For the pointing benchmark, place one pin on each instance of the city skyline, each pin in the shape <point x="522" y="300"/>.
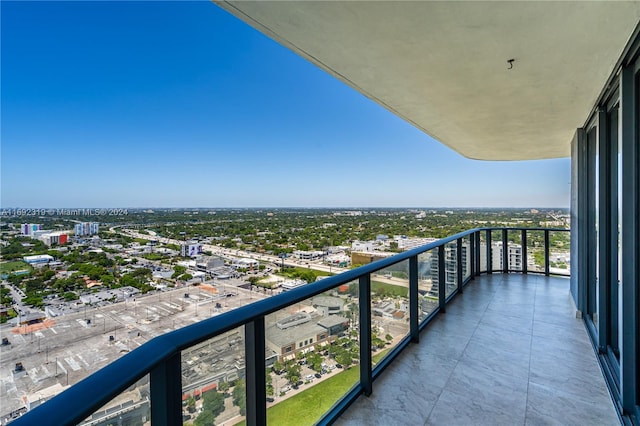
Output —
<point x="182" y="105"/>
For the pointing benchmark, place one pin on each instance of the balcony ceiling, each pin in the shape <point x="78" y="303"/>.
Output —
<point x="442" y="65"/>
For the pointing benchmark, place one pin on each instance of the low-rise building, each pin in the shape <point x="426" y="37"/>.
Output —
<point x="362" y="258"/>
<point x="308" y="255"/>
<point x="291" y="284"/>
<point x="39" y="259"/>
<point x="362" y="246"/>
<point x="209" y="263"/>
<point x="245" y="263"/>
<point x="41" y="396"/>
<point x="327" y="305"/>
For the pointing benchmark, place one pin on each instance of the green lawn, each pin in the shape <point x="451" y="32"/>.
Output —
<point x="8" y="267"/>
<point x="10" y="314"/>
<point x="377" y="357"/>
<point x="307" y="407"/>
<point x="291" y="272"/>
<point x="389" y="289"/>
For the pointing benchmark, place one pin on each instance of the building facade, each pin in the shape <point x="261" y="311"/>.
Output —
<point x="83" y="229"/>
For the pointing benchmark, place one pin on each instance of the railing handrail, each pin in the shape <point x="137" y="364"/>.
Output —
<point x="96" y="390"/>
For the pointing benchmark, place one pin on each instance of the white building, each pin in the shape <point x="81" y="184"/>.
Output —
<point x="450" y="265"/>
<point x="338" y="259"/>
<point x="29" y="228"/>
<point x="245" y="263"/>
<point x="514" y="253"/>
<point x="39" y="259"/>
<point x="86" y="228"/>
<point x="56" y="237"/>
<point x="308" y="255"/>
<point x="405" y="243"/>
<point x="190" y="249"/>
<point x="291" y="284"/>
<point x="362" y="246"/>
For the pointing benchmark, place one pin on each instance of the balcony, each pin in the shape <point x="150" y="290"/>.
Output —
<point x="489" y="347"/>
<point x="509" y="351"/>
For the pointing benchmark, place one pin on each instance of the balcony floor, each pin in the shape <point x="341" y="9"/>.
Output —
<point x="508" y="351"/>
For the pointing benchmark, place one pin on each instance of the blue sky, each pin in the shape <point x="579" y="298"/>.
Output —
<point x="180" y="104"/>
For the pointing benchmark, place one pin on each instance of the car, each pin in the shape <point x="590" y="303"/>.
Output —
<point x="318" y="375"/>
<point x="338" y="365"/>
<point x="269" y="399"/>
<point x="300" y="383"/>
<point x="309" y="377"/>
<point x="295" y="387"/>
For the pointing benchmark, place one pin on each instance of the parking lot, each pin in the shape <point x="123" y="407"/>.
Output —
<point x="66" y="349"/>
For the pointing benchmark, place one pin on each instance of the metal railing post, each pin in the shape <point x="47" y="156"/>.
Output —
<point x="364" y="289"/>
<point x="505" y="252"/>
<point x="442" y="285"/>
<point x="472" y="253"/>
<point x="166" y="392"/>
<point x="459" y="275"/>
<point x="489" y="259"/>
<point x="524" y="251"/>
<point x="414" y="319"/>
<point x="546" y="252"/>
<point x="256" y="388"/>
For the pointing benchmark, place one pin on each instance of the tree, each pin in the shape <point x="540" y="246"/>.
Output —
<point x="292" y="373"/>
<point x="344" y="358"/>
<point x="205" y="418"/>
<point x="309" y="276"/>
<point x="69" y="295"/>
<point x="212" y="406"/>
<point x="278" y="366"/>
<point x="240" y="397"/>
<point x="253" y="280"/>
<point x="178" y="270"/>
<point x="269" y="383"/>
<point x="315" y="361"/>
<point x="35" y="301"/>
<point x="107" y="280"/>
<point x="5" y="296"/>
<point x="191" y="404"/>
<point x="224" y="387"/>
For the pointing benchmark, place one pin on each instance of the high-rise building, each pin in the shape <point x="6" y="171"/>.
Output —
<point x="86" y="228"/>
<point x="450" y="265"/>
<point x="514" y="253"/>
<point x="30" y="228"/>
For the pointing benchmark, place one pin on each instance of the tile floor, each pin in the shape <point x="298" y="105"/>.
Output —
<point x="509" y="351"/>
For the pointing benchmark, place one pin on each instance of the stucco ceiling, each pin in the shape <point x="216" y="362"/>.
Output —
<point x="443" y="65"/>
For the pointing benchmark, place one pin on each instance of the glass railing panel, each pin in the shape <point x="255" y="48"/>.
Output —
<point x="496" y="250"/>
<point x="130" y="408"/>
<point x="313" y="354"/>
<point x="483" y="251"/>
<point x="213" y="380"/>
<point x="514" y="250"/>
<point x="559" y="252"/>
<point x="450" y="268"/>
<point x="535" y="251"/>
<point x="427" y="283"/>
<point x="389" y="309"/>
<point x="467" y="257"/>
